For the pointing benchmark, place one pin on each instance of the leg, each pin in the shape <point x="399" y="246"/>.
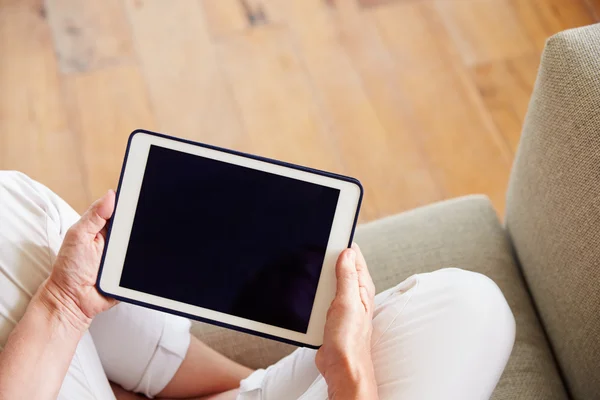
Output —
<point x="454" y="329"/>
<point x="153" y="353"/>
<point x="447" y="334"/>
<point x="123" y="394"/>
<point x="33" y="221"/>
<point x="219" y="373"/>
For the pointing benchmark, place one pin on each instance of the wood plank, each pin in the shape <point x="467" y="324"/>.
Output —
<point x="506" y="87"/>
<point x="411" y="183"/>
<point x="189" y="94"/>
<point x="275" y="98"/>
<point x="543" y="18"/>
<point x="371" y="3"/>
<point x="420" y="40"/>
<point x="255" y="12"/>
<point x="224" y="17"/>
<point x="362" y="141"/>
<point x="594" y="8"/>
<point x="465" y="151"/>
<point x="105" y="106"/>
<point x="484" y="30"/>
<point x="34" y="134"/>
<point x="261" y="12"/>
<point x="89" y="35"/>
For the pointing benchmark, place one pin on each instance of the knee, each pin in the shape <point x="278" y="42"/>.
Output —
<point x="16" y="188"/>
<point x="11" y="178"/>
<point x="476" y="301"/>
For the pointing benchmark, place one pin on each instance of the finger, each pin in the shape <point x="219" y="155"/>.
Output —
<point x="347" y="277"/>
<point x="95" y="218"/>
<point x="364" y="277"/>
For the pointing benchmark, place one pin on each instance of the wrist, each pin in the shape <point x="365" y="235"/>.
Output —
<point x="61" y="308"/>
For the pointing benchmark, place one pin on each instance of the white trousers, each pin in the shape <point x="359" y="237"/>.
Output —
<point x="442" y="335"/>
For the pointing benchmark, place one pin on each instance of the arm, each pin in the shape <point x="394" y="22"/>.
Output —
<point x="344" y="360"/>
<point x="38" y="352"/>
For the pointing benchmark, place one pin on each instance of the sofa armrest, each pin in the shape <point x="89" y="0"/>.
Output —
<point x="553" y="205"/>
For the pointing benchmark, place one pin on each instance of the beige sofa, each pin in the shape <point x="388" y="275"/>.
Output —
<point x="546" y="256"/>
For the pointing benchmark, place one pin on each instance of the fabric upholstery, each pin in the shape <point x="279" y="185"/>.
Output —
<point x="553" y="205"/>
<point x="461" y="233"/>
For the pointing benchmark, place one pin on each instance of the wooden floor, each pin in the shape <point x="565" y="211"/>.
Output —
<point x="422" y="100"/>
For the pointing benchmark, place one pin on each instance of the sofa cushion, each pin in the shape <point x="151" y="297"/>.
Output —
<point x="553" y="207"/>
<point x="461" y="233"/>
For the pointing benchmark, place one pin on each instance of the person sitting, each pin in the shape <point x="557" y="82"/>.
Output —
<point x="441" y="335"/>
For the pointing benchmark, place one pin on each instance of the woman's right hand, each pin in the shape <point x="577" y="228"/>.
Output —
<point x="72" y="283"/>
<point x="344" y="360"/>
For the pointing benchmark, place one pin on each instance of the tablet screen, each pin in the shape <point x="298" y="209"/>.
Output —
<point x="229" y="238"/>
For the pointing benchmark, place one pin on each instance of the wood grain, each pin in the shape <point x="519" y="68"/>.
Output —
<point x="593" y="7"/>
<point x="189" y="94"/>
<point x="276" y="100"/>
<point x="89" y="34"/>
<point x="416" y="36"/>
<point x="224" y="17"/>
<point x="506" y="87"/>
<point x="420" y="99"/>
<point x="484" y="30"/>
<point x="34" y="134"/>
<point x="543" y="18"/>
<point x="361" y="140"/>
<point x="410" y="181"/>
<point x="461" y="144"/>
<point x="118" y="105"/>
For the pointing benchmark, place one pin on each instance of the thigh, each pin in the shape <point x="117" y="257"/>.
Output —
<point x="447" y="334"/>
<point x="33" y="221"/>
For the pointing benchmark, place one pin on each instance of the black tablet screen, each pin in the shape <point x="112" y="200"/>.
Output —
<point x="229" y="238"/>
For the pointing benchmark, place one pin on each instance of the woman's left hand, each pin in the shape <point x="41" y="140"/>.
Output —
<point x="72" y="282"/>
<point x="344" y="360"/>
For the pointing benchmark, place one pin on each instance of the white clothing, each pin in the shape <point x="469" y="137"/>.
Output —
<point x="442" y="335"/>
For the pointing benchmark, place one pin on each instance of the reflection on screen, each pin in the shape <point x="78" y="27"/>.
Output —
<point x="229" y="238"/>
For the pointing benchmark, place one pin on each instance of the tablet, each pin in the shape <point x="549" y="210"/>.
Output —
<point x="228" y="238"/>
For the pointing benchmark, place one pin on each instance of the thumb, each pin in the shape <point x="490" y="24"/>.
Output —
<point x="95" y="218"/>
<point x="347" y="277"/>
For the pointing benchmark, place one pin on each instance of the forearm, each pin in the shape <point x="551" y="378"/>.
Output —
<point x="38" y="352"/>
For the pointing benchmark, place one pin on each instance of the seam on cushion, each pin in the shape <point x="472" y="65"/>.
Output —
<point x="414" y="289"/>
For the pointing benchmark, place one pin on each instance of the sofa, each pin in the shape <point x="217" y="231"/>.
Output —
<point x="545" y="256"/>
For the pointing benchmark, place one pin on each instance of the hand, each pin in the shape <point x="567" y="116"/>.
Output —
<point x="71" y="285"/>
<point x="344" y="360"/>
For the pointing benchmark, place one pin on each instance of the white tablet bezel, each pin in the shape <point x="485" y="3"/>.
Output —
<point x="132" y="175"/>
